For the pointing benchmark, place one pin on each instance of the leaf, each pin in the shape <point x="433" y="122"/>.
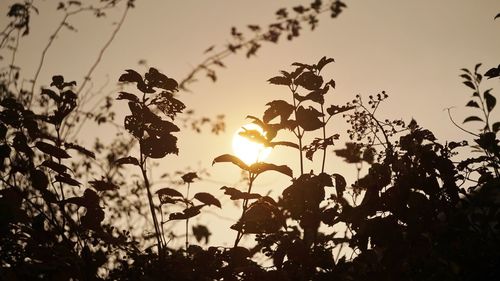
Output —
<point x="309" y="81"/>
<point x="155" y="147"/>
<point x="335" y="109"/>
<point x="472" y="118"/>
<point x="260" y="167"/>
<point x="51" y="94"/>
<point x="466" y="77"/>
<point x="497" y="16"/>
<point x="165" y="195"/>
<point x="65" y="178"/>
<point x="340" y="184"/>
<point x="207" y="198"/>
<point x="235" y="194"/>
<point x="102" y="185"/>
<point x="56" y="167"/>
<point x="39" y="180"/>
<point x="324" y="61"/>
<point x="52" y="150"/>
<point x="284" y="143"/>
<point x="201" y="232"/>
<point x="127" y="160"/>
<point x="491" y="101"/>
<point x="232" y="159"/>
<point x="130" y="76"/>
<point x="280" y="80"/>
<point x="189" y="177"/>
<point x="277" y="108"/>
<point x="472" y="104"/>
<point x="160" y="80"/>
<point x="169" y="192"/>
<point x="469" y="84"/>
<point x="187" y="213"/>
<point x="308" y="119"/>
<point x="496" y="127"/>
<point x="127" y="96"/>
<point x="80" y="149"/>
<point x="493" y="72"/>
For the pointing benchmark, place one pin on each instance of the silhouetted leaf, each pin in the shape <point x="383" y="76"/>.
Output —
<point x="493" y="72"/>
<point x="56" y="167"/>
<point x="309" y="81"/>
<point x="52" y="150"/>
<point x="472" y="104"/>
<point x="328" y="216"/>
<point x="280" y="80"/>
<point x="308" y="119"/>
<point x="277" y="108"/>
<point x="472" y="118"/>
<point x="187" y="213"/>
<point x="159" y="147"/>
<point x="65" y="178"/>
<point x="235" y="194"/>
<point x="323" y="61"/>
<point x="469" y="84"/>
<point x="496" y="127"/>
<point x="369" y="155"/>
<point x="283" y="143"/>
<point x="127" y="160"/>
<point x="165" y="195"/>
<point x="80" y="149"/>
<point x="168" y="192"/>
<point x="167" y="104"/>
<point x="232" y="159"/>
<point x="497" y="16"/>
<point x="261" y="167"/>
<point x="189" y="177"/>
<point x="207" y="198"/>
<point x="491" y="101"/>
<point x="130" y="76"/>
<point x="201" y="232"/>
<point x="340" y="184"/>
<point x="57" y="81"/>
<point x="20" y="143"/>
<point x="39" y="180"/>
<point x="51" y="94"/>
<point x="102" y="185"/>
<point x="261" y="217"/>
<point x="160" y="80"/>
<point x="335" y="109"/>
<point x="127" y="96"/>
<point x="351" y="154"/>
<point x="3" y="131"/>
<point x="254" y="136"/>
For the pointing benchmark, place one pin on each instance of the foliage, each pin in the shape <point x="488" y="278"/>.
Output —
<point x="417" y="214"/>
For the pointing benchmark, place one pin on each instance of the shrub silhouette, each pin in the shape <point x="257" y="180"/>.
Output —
<point x="417" y="214"/>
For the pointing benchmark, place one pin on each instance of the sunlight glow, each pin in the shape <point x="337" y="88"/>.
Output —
<point x="248" y="150"/>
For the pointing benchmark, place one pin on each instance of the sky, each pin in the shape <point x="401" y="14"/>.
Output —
<point x="411" y="49"/>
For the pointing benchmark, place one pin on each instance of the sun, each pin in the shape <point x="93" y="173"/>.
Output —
<point x="247" y="150"/>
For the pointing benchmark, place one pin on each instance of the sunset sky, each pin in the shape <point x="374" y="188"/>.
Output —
<point x="411" y="49"/>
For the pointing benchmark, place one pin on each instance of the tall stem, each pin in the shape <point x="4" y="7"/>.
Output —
<point x="150" y="199"/>
<point x="324" y="139"/>
<point x="298" y="134"/>
<point x="187" y="220"/>
<point x="251" y="178"/>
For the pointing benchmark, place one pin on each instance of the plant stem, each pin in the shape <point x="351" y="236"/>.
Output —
<point x="187" y="220"/>
<point x="251" y="178"/>
<point x="324" y="139"/>
<point x="298" y="134"/>
<point x="150" y="199"/>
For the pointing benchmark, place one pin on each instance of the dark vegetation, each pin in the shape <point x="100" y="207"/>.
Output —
<point x="425" y="210"/>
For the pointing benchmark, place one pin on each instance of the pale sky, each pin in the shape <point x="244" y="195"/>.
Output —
<point x="411" y="49"/>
